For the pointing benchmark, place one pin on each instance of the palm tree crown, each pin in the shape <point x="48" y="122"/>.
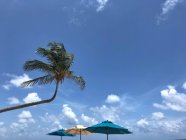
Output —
<point x="57" y="68"/>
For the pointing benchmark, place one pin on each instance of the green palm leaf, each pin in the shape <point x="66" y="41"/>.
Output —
<point x="37" y="65"/>
<point x="40" y="81"/>
<point x="78" y="79"/>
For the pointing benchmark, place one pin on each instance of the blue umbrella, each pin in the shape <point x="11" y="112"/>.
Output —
<point x="61" y="133"/>
<point x="107" y="127"/>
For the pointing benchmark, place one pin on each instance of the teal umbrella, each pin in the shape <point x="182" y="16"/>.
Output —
<point x="61" y="133"/>
<point x="107" y="127"/>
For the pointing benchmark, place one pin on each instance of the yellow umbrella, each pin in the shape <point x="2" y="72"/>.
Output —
<point x="78" y="130"/>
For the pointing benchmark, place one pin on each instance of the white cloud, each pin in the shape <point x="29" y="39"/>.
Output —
<point x="53" y="120"/>
<point x="142" y="123"/>
<point x="184" y="85"/>
<point x="168" y="6"/>
<point x="24" y="126"/>
<point x="71" y="116"/>
<point x="112" y="98"/>
<point x="107" y="113"/>
<point x="13" y="100"/>
<point x="157" y="115"/>
<point x="7" y="86"/>
<point x="88" y="120"/>
<point x="3" y="129"/>
<point x="1" y="123"/>
<point x="13" y="125"/>
<point x="16" y="81"/>
<point x="172" y="100"/>
<point x="114" y="112"/>
<point x="101" y="5"/>
<point x="32" y="97"/>
<point x="161" y="126"/>
<point x="26" y="117"/>
<point x="17" y="128"/>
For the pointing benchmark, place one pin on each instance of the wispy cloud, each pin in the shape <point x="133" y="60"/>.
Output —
<point x="25" y="122"/>
<point x="160" y="125"/>
<point x="76" y="11"/>
<point x="54" y="121"/>
<point x="74" y="14"/>
<point x="157" y="115"/>
<point x="13" y="100"/>
<point x="98" y="4"/>
<point x="101" y="5"/>
<point x="88" y="120"/>
<point x="3" y="129"/>
<point x="6" y="86"/>
<point x="167" y="6"/>
<point x="107" y="113"/>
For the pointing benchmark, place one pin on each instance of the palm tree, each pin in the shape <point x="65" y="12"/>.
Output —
<point x="56" y="69"/>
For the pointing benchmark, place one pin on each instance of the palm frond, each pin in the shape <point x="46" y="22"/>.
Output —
<point x="78" y="79"/>
<point x="57" y="55"/>
<point x="42" y="51"/>
<point x="69" y="58"/>
<point x="54" y="46"/>
<point x="37" y="65"/>
<point x="65" y="62"/>
<point x="40" y="81"/>
<point x="50" y="56"/>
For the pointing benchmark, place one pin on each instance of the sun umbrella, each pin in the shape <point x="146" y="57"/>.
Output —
<point x="107" y="127"/>
<point x="61" y="133"/>
<point x="78" y="130"/>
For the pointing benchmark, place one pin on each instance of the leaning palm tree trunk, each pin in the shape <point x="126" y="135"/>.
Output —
<point x="57" y="68"/>
<point x="31" y="104"/>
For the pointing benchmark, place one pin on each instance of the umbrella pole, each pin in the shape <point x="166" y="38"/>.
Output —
<point x="80" y="134"/>
<point x="61" y="137"/>
<point x="107" y="133"/>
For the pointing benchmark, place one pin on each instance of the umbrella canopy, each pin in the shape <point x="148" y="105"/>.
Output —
<point x="78" y="130"/>
<point x="61" y="133"/>
<point x="107" y="127"/>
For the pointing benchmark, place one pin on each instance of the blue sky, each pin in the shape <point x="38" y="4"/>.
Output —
<point x="131" y="54"/>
